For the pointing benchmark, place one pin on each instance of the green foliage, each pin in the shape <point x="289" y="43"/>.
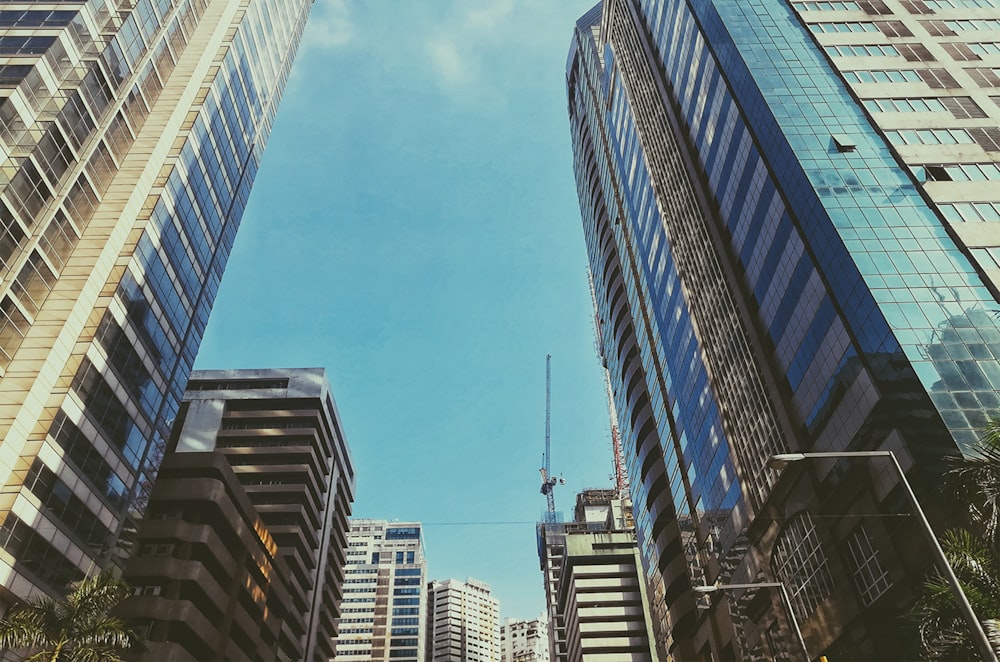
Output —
<point x="975" y="558"/>
<point x="77" y="629"/>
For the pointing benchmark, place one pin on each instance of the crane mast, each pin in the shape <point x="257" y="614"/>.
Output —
<point x="620" y="476"/>
<point x="548" y="482"/>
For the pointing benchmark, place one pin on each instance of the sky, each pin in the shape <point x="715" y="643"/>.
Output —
<point x="414" y="229"/>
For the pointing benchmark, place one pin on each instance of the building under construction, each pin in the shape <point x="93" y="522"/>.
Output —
<point x="595" y="595"/>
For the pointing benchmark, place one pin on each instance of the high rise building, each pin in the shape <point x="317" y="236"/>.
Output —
<point x="789" y="210"/>
<point x="242" y="551"/>
<point x="130" y="134"/>
<point x="594" y="585"/>
<point x="525" y="640"/>
<point x="384" y="609"/>
<point x="463" y="622"/>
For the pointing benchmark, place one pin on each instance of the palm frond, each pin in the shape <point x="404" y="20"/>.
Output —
<point x="109" y="631"/>
<point x="79" y="625"/>
<point x="992" y="629"/>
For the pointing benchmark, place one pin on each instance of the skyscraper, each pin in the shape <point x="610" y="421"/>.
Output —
<point x="130" y="132"/>
<point x="243" y="549"/>
<point x="594" y="586"/>
<point x="384" y="608"/>
<point x="463" y="622"/>
<point x="788" y="209"/>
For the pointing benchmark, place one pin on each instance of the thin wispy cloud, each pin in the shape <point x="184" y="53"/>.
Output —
<point x="469" y="52"/>
<point x="331" y="26"/>
<point x="451" y="67"/>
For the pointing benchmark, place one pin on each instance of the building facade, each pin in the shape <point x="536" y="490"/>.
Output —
<point x="463" y="622"/>
<point x="789" y="210"/>
<point x="525" y="640"/>
<point x="130" y="133"/>
<point x="383" y="613"/>
<point x="207" y="582"/>
<point x="595" y="590"/>
<point x="242" y="551"/>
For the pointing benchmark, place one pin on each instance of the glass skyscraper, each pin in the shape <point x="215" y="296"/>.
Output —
<point x="790" y="215"/>
<point x="130" y="133"/>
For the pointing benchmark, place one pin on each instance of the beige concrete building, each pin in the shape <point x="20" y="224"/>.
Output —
<point x="927" y="73"/>
<point x="595" y="591"/>
<point x="383" y="613"/>
<point x="130" y="135"/>
<point x="463" y="622"/>
<point x="525" y="640"/>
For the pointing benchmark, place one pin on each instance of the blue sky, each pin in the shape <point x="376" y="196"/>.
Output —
<point x="414" y="229"/>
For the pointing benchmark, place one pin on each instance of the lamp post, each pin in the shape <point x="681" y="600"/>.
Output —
<point x="712" y="588"/>
<point x="978" y="635"/>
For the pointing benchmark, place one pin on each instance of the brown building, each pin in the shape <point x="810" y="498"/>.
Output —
<point x="242" y="552"/>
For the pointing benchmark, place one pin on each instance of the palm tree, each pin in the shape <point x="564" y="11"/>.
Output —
<point x="77" y="629"/>
<point x="944" y="634"/>
<point x="974" y="479"/>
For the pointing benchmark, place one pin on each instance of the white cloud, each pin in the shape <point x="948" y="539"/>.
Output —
<point x="330" y="26"/>
<point x="451" y="67"/>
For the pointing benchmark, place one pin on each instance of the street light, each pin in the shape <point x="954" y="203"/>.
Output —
<point x="784" y="599"/>
<point x="978" y="635"/>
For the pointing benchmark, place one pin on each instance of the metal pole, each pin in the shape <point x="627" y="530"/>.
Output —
<point x="795" y="621"/>
<point x="978" y="635"/>
<point x="785" y="600"/>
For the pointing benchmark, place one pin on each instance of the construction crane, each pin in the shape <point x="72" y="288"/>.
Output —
<point x="618" y="457"/>
<point x="620" y="476"/>
<point x="548" y="481"/>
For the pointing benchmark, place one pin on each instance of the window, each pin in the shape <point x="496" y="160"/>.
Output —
<point x="894" y="29"/>
<point x="915" y="52"/>
<point x="963" y="108"/>
<point x="916" y="7"/>
<point x="146" y="590"/>
<point x="236" y="384"/>
<point x="960" y="52"/>
<point x="971" y="212"/>
<point x="984" y="76"/>
<point x="874" y="7"/>
<point x="985" y="48"/>
<point x="963" y="172"/>
<point x="870" y="576"/>
<point x="916" y="105"/>
<point x="938" y="79"/>
<point x="801" y="565"/>
<point x="937" y="28"/>
<point x="850" y="26"/>
<point x="988" y="258"/>
<point x="883" y="76"/>
<point x="403" y="533"/>
<point x="929" y="137"/>
<point x="826" y="6"/>
<point x="987" y="137"/>
<point x="975" y="24"/>
<point x="871" y="50"/>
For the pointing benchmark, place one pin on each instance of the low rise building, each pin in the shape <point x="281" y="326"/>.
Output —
<point x="525" y="640"/>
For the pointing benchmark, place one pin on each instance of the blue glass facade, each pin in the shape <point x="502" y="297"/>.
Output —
<point x="131" y="146"/>
<point x="769" y="278"/>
